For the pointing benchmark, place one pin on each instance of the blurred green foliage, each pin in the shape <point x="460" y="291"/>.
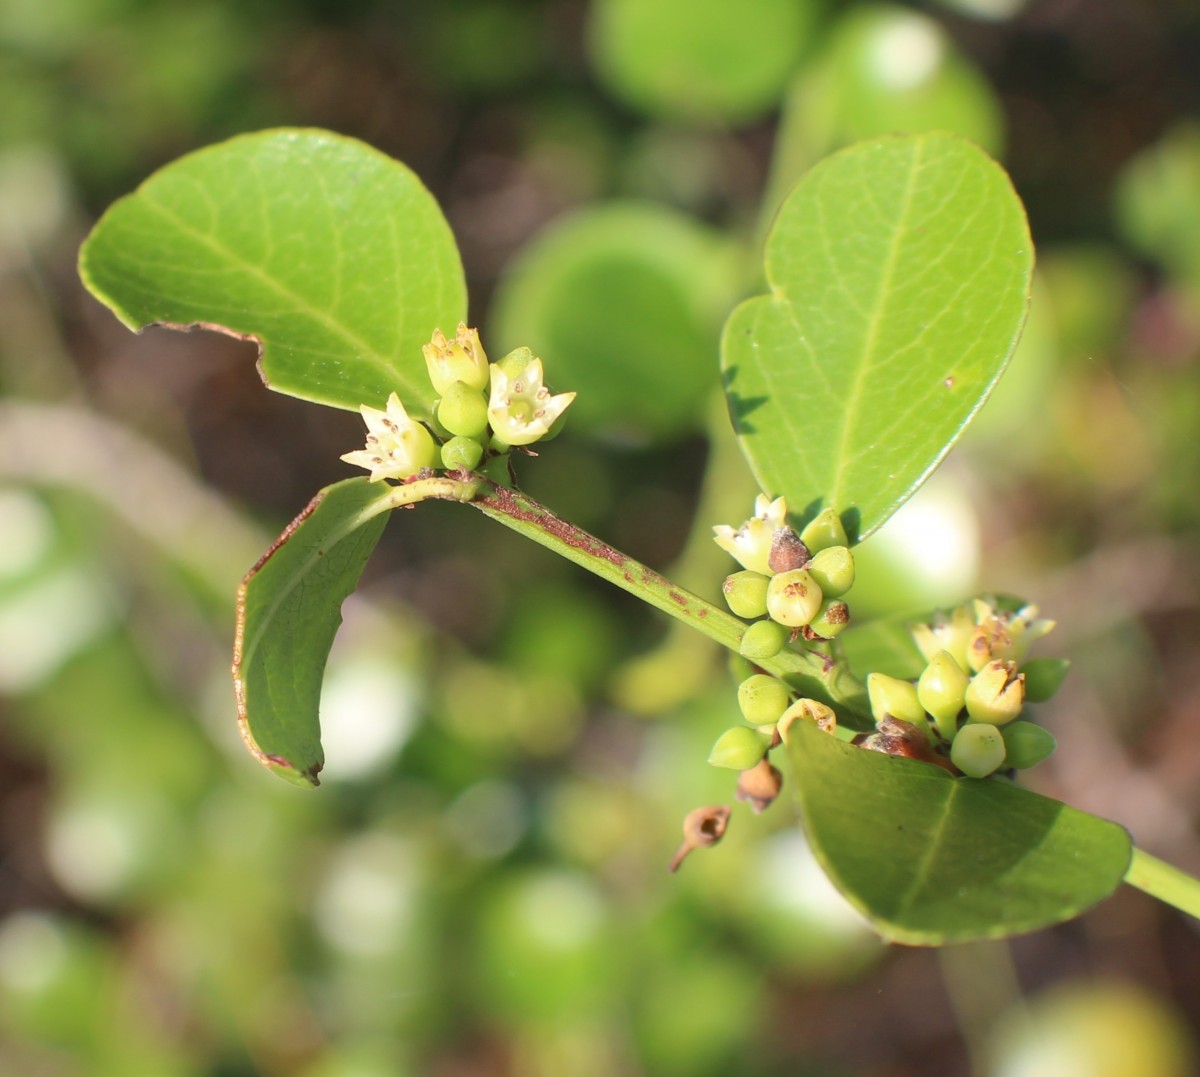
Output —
<point x="479" y="887"/>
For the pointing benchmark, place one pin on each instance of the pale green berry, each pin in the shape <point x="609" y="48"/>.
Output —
<point x="823" y="531"/>
<point x="942" y="690"/>
<point x="463" y="410"/>
<point x="763" y="639"/>
<point x="831" y="619"/>
<point x="746" y="593"/>
<point x="978" y="750"/>
<point x="806" y="710"/>
<point x="793" y="598"/>
<point x="762" y="699"/>
<point x="893" y="698"/>
<point x="1027" y="744"/>
<point x="833" y="569"/>
<point x="1044" y="677"/>
<point x="739" y="748"/>
<point x="461" y="452"/>
<point x="996" y="693"/>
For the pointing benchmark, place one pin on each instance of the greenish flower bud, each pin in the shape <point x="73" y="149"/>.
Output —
<point x="893" y="698"/>
<point x="461" y="359"/>
<point x="763" y="639"/>
<point x="740" y="748"/>
<point x="1026" y="744"/>
<point x="787" y="551"/>
<point x="515" y="361"/>
<point x="807" y="710"/>
<point x="460" y="452"/>
<point x="746" y="593"/>
<point x="947" y="632"/>
<point x="762" y="699"/>
<point x="831" y="618"/>
<point x="1044" y="677"/>
<point x="996" y="693"/>
<point x="463" y="410"/>
<point x="793" y="598"/>
<point x="942" y="691"/>
<point x="833" y="569"/>
<point x="978" y="750"/>
<point x="823" y="531"/>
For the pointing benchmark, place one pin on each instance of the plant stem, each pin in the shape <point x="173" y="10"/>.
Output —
<point x="1159" y="879"/>
<point x="813" y="675"/>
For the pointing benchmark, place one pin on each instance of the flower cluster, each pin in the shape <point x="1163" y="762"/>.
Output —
<point x="482" y="411"/>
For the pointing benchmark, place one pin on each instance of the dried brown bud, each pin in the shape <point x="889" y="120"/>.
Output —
<point x="895" y="737"/>
<point x="701" y="828"/>
<point x="759" y="786"/>
<point x="787" y="551"/>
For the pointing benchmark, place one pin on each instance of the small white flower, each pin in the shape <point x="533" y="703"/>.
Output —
<point x="397" y="446"/>
<point x="750" y="545"/>
<point x="521" y="409"/>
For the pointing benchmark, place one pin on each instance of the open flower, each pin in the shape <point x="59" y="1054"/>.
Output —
<point x="750" y="545"/>
<point x="521" y="409"/>
<point x="461" y="359"/>
<point x="397" y="446"/>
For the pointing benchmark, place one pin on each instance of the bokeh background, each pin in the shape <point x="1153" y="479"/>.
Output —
<point x="479" y="886"/>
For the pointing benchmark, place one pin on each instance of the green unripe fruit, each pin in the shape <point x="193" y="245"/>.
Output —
<point x="793" y="598"/>
<point x="1026" y="744"/>
<point x="460" y="452"/>
<point x="762" y="699"/>
<point x="833" y="569"/>
<point x="1044" y="677"/>
<point x="763" y="639"/>
<point x="823" y="531"/>
<point x="893" y="698"/>
<point x="746" y="593"/>
<point x="978" y="750"/>
<point x="515" y="361"/>
<point x="463" y="410"/>
<point x="739" y="748"/>
<point x="831" y="618"/>
<point x="942" y="691"/>
<point x="996" y="693"/>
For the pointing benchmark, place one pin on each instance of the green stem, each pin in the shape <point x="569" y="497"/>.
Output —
<point x="811" y="674"/>
<point x="1159" y="879"/>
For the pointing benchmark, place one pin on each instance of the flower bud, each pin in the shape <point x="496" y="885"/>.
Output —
<point x="793" y="598"/>
<point x="942" y="691"/>
<point x="823" y="531"/>
<point x="763" y="639"/>
<point x="463" y="410"/>
<point x="1044" y="677"/>
<point x="460" y="452"/>
<point x="461" y="359"/>
<point x="893" y="698"/>
<point x="1026" y="744"/>
<point x="702" y="828"/>
<point x="807" y="710"/>
<point x="831" y="618"/>
<point x="996" y="693"/>
<point x="515" y="362"/>
<point x="833" y="569"/>
<point x="746" y="593"/>
<point x="762" y="699"/>
<point x="787" y="551"/>
<point x="978" y="750"/>
<point x="739" y="748"/>
<point x="759" y="786"/>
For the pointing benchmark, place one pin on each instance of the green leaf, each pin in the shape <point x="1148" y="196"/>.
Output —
<point x="706" y="60"/>
<point x="289" y="607"/>
<point x="931" y="859"/>
<point x="899" y="272"/>
<point x="624" y="303"/>
<point x="332" y="256"/>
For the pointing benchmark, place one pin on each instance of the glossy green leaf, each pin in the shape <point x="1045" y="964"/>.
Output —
<point x="699" y="59"/>
<point x="624" y="303"/>
<point x="332" y="256"/>
<point x="899" y="272"/>
<point x="931" y="859"/>
<point x="289" y="607"/>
